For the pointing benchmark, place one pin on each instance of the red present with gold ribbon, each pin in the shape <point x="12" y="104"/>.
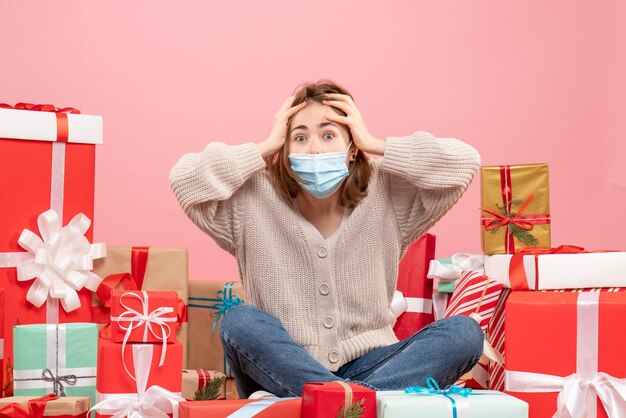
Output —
<point x="335" y="399"/>
<point x="137" y="377"/>
<point x="47" y="160"/>
<point x="45" y="406"/>
<point x="149" y="268"/>
<point x="265" y="408"/>
<point x="515" y="208"/>
<point x="565" y="354"/>
<point x="416" y="289"/>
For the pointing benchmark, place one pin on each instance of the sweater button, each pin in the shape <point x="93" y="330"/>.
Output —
<point x="322" y="251"/>
<point x="329" y="322"/>
<point x="333" y="357"/>
<point x="324" y="289"/>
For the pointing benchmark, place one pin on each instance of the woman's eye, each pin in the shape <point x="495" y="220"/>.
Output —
<point x="329" y="135"/>
<point x="297" y="138"/>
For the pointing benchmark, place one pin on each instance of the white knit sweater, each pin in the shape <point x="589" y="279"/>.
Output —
<point x="332" y="295"/>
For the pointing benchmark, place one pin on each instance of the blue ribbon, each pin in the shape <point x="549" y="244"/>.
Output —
<point x="432" y="388"/>
<point x="223" y="302"/>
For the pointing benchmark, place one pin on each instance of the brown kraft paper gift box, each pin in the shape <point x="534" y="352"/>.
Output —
<point x="206" y="299"/>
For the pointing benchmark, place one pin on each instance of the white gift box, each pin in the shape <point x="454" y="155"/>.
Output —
<point x="563" y="271"/>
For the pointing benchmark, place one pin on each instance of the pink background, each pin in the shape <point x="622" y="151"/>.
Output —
<point x="523" y="82"/>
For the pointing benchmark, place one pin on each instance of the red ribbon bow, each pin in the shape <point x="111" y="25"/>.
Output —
<point x="40" y="108"/>
<point x="61" y="114"/>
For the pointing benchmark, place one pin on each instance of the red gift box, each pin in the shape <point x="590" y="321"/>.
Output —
<point x="137" y="372"/>
<point x="415" y="287"/>
<point x="496" y="332"/>
<point x="47" y="160"/>
<point x="266" y="408"/>
<point x="568" y="343"/>
<point x="144" y="316"/>
<point x="321" y="400"/>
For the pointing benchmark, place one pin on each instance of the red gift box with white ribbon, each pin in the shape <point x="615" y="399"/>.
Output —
<point x="415" y="291"/>
<point x="134" y="378"/>
<point x="144" y="316"/>
<point x="565" y="353"/>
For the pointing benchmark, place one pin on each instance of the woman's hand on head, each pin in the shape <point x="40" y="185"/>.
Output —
<point x="278" y="134"/>
<point x="354" y="121"/>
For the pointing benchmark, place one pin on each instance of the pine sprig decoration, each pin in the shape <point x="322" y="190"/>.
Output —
<point x="212" y="390"/>
<point x="354" y="410"/>
<point x="522" y="235"/>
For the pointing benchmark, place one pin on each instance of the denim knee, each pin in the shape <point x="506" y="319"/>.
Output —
<point x="236" y="321"/>
<point x="468" y="334"/>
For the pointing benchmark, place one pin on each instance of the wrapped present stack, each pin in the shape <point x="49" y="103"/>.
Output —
<point x="58" y="288"/>
<point x="148" y="268"/>
<point x="555" y="321"/>
<point x="47" y="165"/>
<point x="140" y="360"/>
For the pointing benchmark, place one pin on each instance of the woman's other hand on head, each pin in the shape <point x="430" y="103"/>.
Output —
<point x="278" y="134"/>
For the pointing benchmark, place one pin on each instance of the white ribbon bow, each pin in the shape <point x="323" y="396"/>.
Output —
<point x="460" y="263"/>
<point x="147" y="319"/>
<point x="574" y="391"/>
<point x="155" y="402"/>
<point x="60" y="261"/>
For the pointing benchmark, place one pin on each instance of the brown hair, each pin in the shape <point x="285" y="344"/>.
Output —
<point x="354" y="187"/>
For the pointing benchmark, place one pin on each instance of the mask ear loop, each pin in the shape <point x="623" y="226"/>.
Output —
<point x="353" y="156"/>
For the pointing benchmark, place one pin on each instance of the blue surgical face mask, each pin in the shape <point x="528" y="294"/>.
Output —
<point x="325" y="172"/>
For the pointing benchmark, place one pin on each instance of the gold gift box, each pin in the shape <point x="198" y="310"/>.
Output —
<point x="526" y="221"/>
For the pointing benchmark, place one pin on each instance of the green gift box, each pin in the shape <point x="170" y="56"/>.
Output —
<point x="55" y="358"/>
<point x="445" y="287"/>
<point x="478" y="404"/>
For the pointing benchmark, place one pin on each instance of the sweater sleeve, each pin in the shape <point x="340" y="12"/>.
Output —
<point x="206" y="183"/>
<point x="428" y="176"/>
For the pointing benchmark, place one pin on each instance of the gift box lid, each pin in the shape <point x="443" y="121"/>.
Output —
<point x="42" y="126"/>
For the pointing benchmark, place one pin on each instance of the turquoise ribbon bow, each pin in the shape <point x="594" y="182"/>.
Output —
<point x="224" y="301"/>
<point x="432" y="388"/>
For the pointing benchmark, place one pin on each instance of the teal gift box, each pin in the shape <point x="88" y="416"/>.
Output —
<point x="55" y="358"/>
<point x="445" y="287"/>
<point x="479" y="404"/>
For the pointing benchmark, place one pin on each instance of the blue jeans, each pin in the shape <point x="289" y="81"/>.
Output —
<point x="263" y="356"/>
